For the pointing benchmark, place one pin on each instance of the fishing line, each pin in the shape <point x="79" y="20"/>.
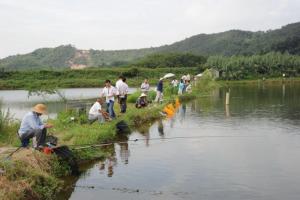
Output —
<point x="85" y="146"/>
<point x="131" y="190"/>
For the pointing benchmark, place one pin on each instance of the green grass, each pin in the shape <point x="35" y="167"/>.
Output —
<point x="8" y="128"/>
<point x="76" y="133"/>
<point x="90" y="77"/>
<point x="25" y="179"/>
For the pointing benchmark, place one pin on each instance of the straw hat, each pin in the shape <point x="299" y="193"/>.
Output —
<point x="161" y="79"/>
<point x="143" y="95"/>
<point x="40" y="108"/>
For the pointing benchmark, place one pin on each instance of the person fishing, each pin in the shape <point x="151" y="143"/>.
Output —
<point x="32" y="126"/>
<point x="109" y="92"/>
<point x="141" y="101"/>
<point x="97" y="113"/>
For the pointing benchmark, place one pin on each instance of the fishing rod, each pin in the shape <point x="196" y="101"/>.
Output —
<point x="86" y="146"/>
<point x="15" y="151"/>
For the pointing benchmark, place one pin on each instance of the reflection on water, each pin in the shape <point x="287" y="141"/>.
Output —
<point x="124" y="152"/>
<point x="247" y="150"/>
<point x="107" y="165"/>
<point x="160" y="128"/>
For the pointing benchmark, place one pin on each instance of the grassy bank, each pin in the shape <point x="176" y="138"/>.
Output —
<point x="31" y="174"/>
<point x="91" y="77"/>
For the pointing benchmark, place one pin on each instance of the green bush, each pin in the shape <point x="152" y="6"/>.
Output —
<point x="8" y="128"/>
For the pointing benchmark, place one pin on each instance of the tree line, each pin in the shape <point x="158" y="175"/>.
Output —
<point x="236" y="67"/>
<point x="272" y="64"/>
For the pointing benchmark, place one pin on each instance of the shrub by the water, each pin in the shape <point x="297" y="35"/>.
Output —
<point x="8" y="127"/>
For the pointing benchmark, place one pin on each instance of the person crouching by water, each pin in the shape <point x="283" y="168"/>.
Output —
<point x="32" y="126"/>
<point x="109" y="92"/>
<point x="141" y="101"/>
<point x="96" y="112"/>
<point x="159" y="91"/>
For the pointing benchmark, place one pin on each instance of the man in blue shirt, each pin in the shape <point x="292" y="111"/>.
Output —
<point x="159" y="91"/>
<point x="32" y="126"/>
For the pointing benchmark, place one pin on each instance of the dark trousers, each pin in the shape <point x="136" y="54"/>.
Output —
<point x="38" y="133"/>
<point x="123" y="104"/>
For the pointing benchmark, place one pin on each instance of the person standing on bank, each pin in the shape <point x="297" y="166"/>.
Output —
<point x="32" y="126"/>
<point x="109" y="92"/>
<point x="118" y="85"/>
<point x="145" y="87"/>
<point x="123" y="91"/>
<point x="181" y="87"/>
<point x="159" y="91"/>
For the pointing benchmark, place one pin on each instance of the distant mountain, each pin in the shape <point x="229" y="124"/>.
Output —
<point x="236" y="42"/>
<point x="233" y="42"/>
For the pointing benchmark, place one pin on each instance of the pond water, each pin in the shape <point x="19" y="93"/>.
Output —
<point x="19" y="102"/>
<point x="247" y="150"/>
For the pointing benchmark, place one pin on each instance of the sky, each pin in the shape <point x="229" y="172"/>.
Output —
<point x="26" y="25"/>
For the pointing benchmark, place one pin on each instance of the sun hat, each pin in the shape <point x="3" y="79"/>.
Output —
<point x="161" y="79"/>
<point x="40" y="108"/>
<point x="143" y="95"/>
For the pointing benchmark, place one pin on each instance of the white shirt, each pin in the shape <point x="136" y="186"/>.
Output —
<point x="109" y="93"/>
<point x="119" y="83"/>
<point x="145" y="87"/>
<point x="174" y="83"/>
<point x="95" y="108"/>
<point x="30" y="122"/>
<point x="188" y="77"/>
<point x="122" y="89"/>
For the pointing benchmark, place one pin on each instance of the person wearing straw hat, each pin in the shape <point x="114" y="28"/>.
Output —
<point x="32" y="126"/>
<point x="141" y="101"/>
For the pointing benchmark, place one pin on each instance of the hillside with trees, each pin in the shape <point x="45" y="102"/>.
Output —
<point x="236" y="42"/>
<point x="229" y="43"/>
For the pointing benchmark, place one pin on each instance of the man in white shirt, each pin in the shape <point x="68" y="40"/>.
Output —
<point x="122" y="92"/>
<point x="109" y="92"/>
<point x="96" y="112"/>
<point x="174" y="83"/>
<point x="145" y="87"/>
<point x="119" y="82"/>
<point x="118" y="85"/>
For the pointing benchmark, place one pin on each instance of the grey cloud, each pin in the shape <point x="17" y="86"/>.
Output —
<point x="118" y="24"/>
